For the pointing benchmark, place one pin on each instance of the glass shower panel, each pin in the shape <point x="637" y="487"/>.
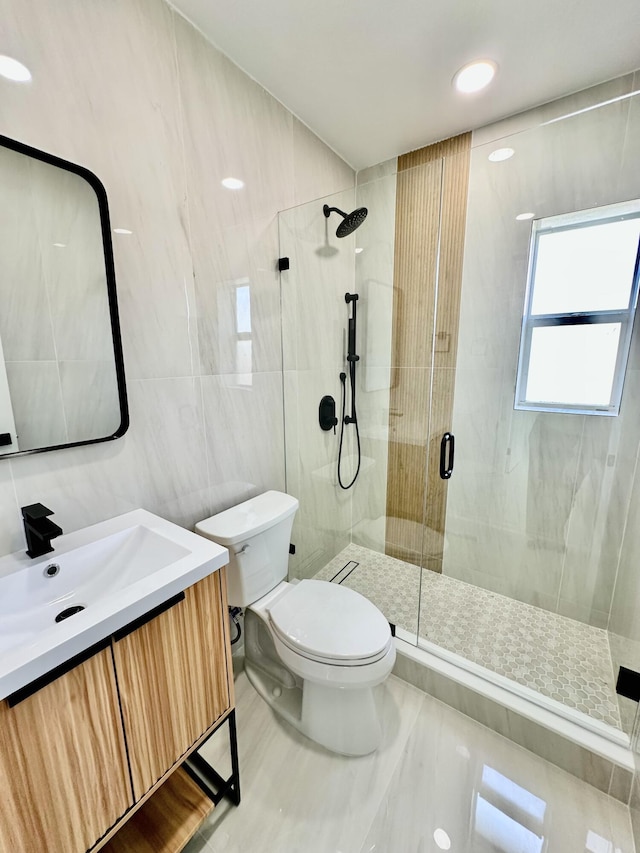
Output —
<point x="341" y="535"/>
<point x="537" y="504"/>
<point x="314" y="312"/>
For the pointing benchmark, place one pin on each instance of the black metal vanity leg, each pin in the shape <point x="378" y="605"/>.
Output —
<point x="208" y="779"/>
<point x="234" y="793"/>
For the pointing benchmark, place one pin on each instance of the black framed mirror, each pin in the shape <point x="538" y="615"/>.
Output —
<point x="62" y="380"/>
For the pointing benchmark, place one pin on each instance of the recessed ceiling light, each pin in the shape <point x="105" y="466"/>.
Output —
<point x="122" y="231"/>
<point x="60" y="245"/>
<point x="359" y="250"/>
<point x="501" y="154"/>
<point x="475" y="76"/>
<point x="14" y="70"/>
<point x="233" y="183"/>
<point x="521" y="216"/>
<point x="442" y="839"/>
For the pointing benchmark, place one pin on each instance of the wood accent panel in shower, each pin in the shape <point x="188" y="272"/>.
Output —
<point x="431" y="201"/>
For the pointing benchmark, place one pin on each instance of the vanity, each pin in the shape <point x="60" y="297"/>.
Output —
<point x="102" y="710"/>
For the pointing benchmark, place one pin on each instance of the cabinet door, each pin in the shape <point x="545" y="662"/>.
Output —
<point x="63" y="768"/>
<point x="173" y="675"/>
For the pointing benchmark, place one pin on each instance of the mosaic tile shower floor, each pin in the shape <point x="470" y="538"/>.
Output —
<point x="558" y="657"/>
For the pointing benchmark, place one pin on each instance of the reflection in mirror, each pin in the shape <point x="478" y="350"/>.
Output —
<point x="61" y="369"/>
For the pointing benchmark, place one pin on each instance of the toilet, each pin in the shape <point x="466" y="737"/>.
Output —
<point x="315" y="651"/>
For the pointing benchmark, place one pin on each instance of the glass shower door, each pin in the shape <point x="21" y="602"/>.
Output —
<point x="534" y="532"/>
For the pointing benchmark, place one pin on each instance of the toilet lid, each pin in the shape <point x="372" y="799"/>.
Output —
<point x="330" y="621"/>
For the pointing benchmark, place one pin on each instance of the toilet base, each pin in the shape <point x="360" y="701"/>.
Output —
<point x="342" y="719"/>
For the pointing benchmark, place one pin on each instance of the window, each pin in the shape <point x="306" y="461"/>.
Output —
<point x="581" y="297"/>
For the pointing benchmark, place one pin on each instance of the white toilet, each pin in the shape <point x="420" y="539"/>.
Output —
<point x="314" y="650"/>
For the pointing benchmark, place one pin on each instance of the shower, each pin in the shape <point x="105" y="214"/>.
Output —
<point x="350" y="221"/>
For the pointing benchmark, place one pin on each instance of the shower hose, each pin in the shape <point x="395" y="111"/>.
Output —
<point x="353" y="419"/>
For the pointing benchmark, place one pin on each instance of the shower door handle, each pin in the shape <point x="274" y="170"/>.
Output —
<point x="446" y="458"/>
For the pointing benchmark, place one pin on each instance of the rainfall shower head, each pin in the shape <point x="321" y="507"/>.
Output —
<point x="350" y="221"/>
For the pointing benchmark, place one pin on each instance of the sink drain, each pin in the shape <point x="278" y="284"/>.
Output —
<point x="70" y="611"/>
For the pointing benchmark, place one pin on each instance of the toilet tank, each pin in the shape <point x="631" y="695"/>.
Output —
<point x="257" y="534"/>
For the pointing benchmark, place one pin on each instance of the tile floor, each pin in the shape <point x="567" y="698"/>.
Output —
<point x="439" y="781"/>
<point x="559" y="657"/>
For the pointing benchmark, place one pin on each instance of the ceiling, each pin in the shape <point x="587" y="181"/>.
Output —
<point x="372" y="78"/>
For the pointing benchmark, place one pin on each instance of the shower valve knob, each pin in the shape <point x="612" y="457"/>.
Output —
<point x="327" y="414"/>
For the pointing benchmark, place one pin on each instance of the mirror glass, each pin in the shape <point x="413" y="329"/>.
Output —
<point x="61" y="367"/>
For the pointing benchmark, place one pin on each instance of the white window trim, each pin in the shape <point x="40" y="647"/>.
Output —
<point x="553" y="224"/>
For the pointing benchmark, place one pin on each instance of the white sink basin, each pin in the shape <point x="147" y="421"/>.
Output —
<point x="116" y="571"/>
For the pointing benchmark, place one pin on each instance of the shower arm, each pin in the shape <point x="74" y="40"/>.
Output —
<point x="352" y="357"/>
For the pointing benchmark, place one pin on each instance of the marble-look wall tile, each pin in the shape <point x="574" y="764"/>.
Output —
<point x="238" y="299"/>
<point x="232" y="128"/>
<point x="82" y="485"/>
<point x="380" y="170"/>
<point x="157" y="468"/>
<point x="244" y="434"/>
<point x="173" y="458"/>
<point x="131" y="91"/>
<point x="317" y="170"/>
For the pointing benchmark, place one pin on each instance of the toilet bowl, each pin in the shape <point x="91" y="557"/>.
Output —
<point x="315" y="651"/>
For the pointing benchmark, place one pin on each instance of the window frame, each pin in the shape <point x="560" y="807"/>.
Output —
<point x="566" y="222"/>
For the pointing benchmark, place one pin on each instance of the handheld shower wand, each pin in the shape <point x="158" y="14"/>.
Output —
<point x="352" y="360"/>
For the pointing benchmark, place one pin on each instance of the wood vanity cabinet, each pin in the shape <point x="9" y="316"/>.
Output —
<point x="63" y="766"/>
<point x="81" y="755"/>
<point x="170" y="686"/>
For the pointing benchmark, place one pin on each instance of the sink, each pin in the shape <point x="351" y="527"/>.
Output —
<point x="96" y="581"/>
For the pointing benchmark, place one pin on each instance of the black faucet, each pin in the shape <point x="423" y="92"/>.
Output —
<point x="39" y="529"/>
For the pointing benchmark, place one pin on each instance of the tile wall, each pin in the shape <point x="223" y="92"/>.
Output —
<point x="133" y="92"/>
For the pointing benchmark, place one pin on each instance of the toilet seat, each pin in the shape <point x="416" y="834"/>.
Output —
<point x="330" y="624"/>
